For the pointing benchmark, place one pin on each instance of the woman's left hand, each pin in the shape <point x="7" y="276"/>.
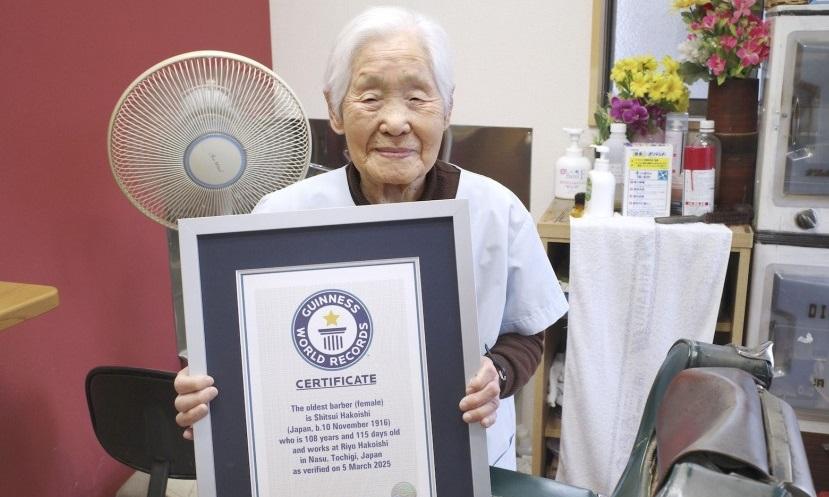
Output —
<point x="482" y="396"/>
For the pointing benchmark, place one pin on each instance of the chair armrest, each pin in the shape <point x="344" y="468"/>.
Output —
<point x="506" y="483"/>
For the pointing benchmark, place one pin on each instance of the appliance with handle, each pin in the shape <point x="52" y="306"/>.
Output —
<point x="792" y="193"/>
<point x="790" y="306"/>
<point x="789" y="297"/>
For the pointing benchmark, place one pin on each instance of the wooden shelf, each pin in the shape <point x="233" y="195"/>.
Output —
<point x="554" y="231"/>
<point x="21" y="301"/>
<point x="552" y="429"/>
<point x="554" y="227"/>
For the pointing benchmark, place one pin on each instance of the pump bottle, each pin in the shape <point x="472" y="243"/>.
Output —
<point x="616" y="144"/>
<point x="601" y="186"/>
<point x="571" y="168"/>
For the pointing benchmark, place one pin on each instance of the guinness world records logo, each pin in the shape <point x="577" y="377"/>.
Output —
<point x="332" y="329"/>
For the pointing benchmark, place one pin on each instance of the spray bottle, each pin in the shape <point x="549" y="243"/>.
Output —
<point x="571" y="168"/>
<point x="601" y="186"/>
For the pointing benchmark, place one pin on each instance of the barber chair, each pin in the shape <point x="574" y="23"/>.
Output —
<point x="133" y="416"/>
<point x="709" y="428"/>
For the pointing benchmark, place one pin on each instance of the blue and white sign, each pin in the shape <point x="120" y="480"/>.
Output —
<point x="332" y="329"/>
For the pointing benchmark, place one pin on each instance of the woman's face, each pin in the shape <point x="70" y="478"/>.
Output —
<point x="393" y="116"/>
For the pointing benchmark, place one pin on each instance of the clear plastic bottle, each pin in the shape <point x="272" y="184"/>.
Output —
<point x="616" y="144"/>
<point x="701" y="165"/>
<point x="676" y="133"/>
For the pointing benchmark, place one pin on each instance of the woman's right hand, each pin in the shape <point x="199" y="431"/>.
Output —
<point x="194" y="392"/>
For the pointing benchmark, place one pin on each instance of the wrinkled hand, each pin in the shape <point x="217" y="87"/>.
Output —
<point x="194" y="392"/>
<point x="482" y="396"/>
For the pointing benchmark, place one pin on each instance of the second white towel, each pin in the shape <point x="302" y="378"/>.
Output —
<point x="635" y="288"/>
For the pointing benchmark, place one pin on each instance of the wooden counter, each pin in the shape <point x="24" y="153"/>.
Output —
<point x="554" y="230"/>
<point x="21" y="301"/>
<point x="554" y="227"/>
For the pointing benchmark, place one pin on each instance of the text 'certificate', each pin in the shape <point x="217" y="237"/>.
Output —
<point x="335" y="380"/>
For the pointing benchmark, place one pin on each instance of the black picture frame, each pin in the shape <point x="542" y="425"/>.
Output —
<point x="435" y="232"/>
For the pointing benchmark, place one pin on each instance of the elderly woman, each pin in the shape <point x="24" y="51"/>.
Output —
<point x="389" y="88"/>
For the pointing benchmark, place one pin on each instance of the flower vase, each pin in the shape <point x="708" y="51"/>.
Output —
<point x="733" y="108"/>
<point x="656" y="135"/>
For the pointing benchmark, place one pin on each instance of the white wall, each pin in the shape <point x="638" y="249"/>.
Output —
<point x="518" y="63"/>
<point x="522" y="63"/>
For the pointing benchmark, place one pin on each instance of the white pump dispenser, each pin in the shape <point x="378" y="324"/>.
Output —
<point x="601" y="186"/>
<point x="571" y="168"/>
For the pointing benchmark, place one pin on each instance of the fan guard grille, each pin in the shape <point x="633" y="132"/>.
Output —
<point x="206" y="133"/>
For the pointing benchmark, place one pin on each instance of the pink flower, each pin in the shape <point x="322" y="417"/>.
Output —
<point x="741" y="8"/>
<point x="716" y="64"/>
<point x="695" y="26"/>
<point x="748" y="56"/>
<point x="760" y="30"/>
<point x="728" y="42"/>
<point x="709" y="21"/>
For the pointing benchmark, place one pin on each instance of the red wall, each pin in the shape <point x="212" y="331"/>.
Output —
<point x="64" y="222"/>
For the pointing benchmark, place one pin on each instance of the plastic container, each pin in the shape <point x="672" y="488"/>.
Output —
<point x="601" y="186"/>
<point x="701" y="163"/>
<point x="572" y="168"/>
<point x="616" y="144"/>
<point x="676" y="134"/>
<point x="578" y="205"/>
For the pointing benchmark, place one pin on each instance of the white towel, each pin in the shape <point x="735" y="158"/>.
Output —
<point x="635" y="288"/>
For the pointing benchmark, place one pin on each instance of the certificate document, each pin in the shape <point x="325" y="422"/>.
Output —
<point x="317" y="327"/>
<point x="335" y="380"/>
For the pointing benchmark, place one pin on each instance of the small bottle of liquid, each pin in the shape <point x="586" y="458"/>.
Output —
<point x="676" y="130"/>
<point x="578" y="206"/>
<point x="700" y="164"/>
<point x="601" y="186"/>
<point x="571" y="168"/>
<point x="616" y="158"/>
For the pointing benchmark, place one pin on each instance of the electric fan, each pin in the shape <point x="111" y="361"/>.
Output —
<point x="203" y="134"/>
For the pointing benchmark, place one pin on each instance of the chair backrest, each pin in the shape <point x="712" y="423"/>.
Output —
<point x="133" y="415"/>
<point x="643" y="474"/>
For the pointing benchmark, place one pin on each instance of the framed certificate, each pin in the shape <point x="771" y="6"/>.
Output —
<point x="341" y="341"/>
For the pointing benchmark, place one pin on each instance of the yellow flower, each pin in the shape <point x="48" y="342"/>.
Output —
<point x="618" y="74"/>
<point x="629" y="64"/>
<point x="684" y="4"/>
<point x="647" y="63"/>
<point x="675" y="90"/>
<point x="640" y="85"/>
<point x="682" y="103"/>
<point x="670" y="64"/>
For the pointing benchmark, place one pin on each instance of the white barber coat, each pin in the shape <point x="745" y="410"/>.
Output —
<point x="516" y="290"/>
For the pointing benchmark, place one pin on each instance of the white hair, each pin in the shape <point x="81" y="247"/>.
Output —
<point x="378" y="22"/>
